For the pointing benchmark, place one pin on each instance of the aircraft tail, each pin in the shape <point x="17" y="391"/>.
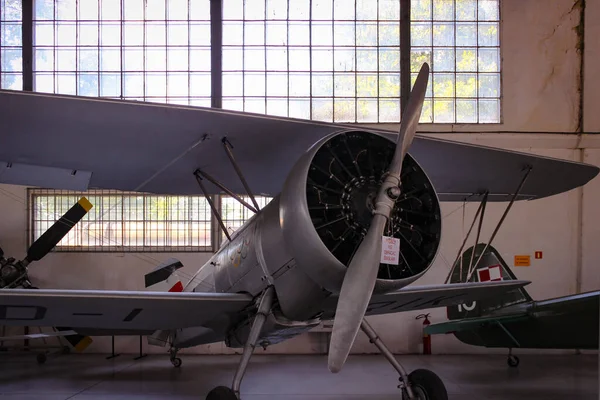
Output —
<point x="491" y="267"/>
<point x="164" y="277"/>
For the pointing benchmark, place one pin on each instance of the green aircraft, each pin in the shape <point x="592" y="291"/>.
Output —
<point x="515" y="320"/>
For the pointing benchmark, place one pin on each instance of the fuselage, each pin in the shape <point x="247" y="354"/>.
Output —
<point x="255" y="258"/>
<point x="302" y="241"/>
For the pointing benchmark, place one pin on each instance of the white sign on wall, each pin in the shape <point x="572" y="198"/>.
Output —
<point x="390" y="250"/>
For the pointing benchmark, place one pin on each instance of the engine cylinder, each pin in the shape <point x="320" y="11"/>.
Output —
<point x="327" y="203"/>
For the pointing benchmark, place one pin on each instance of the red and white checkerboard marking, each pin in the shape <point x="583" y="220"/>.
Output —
<point x="491" y="273"/>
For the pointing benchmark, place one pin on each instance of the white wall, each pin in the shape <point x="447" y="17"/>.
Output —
<point x="541" y="72"/>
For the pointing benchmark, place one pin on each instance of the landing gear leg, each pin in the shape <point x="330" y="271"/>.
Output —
<point x="421" y="384"/>
<point x="224" y="393"/>
<point x="512" y="361"/>
<point x="176" y="361"/>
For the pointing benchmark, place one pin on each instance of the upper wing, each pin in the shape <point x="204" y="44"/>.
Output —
<point x="431" y="296"/>
<point x="128" y="145"/>
<point x="116" y="310"/>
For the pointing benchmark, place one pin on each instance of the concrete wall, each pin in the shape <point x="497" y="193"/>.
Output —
<point x="541" y="89"/>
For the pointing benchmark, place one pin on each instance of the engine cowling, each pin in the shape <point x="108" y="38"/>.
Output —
<point x="326" y="209"/>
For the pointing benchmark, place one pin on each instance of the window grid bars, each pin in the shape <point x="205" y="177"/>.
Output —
<point x="478" y="98"/>
<point x="8" y="72"/>
<point x="199" y="94"/>
<point x="197" y="99"/>
<point x="332" y="74"/>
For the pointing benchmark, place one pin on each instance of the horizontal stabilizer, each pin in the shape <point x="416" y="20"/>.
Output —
<point x="44" y="176"/>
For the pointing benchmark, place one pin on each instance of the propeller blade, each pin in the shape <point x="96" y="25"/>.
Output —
<point x="58" y="230"/>
<point x="361" y="275"/>
<point x="79" y="342"/>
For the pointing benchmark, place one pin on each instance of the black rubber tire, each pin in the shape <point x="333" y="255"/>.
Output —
<point x="176" y="362"/>
<point x="513" y="361"/>
<point x="221" y="393"/>
<point x="41" y="358"/>
<point x="426" y="385"/>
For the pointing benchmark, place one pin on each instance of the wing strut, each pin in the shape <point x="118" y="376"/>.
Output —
<point x="226" y="190"/>
<point x="216" y="212"/>
<point x="512" y="201"/>
<point x="228" y="146"/>
<point x="480" y="209"/>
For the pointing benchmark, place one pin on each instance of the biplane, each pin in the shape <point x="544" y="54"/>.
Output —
<point x="514" y="320"/>
<point x="313" y="253"/>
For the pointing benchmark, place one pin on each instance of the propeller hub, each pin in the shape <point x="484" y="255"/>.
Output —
<point x="393" y="192"/>
<point x="360" y="202"/>
<point x="342" y="198"/>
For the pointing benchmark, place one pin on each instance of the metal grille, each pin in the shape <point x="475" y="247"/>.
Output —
<point x="11" y="61"/>
<point x="461" y="41"/>
<point x="121" y="221"/>
<point x="329" y="60"/>
<point x="235" y="214"/>
<point x="149" y="50"/>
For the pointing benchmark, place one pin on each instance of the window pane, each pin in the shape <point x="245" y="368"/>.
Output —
<point x="135" y="49"/>
<point x="461" y="41"/>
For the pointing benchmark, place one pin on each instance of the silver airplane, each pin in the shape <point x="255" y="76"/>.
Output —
<point x="354" y="220"/>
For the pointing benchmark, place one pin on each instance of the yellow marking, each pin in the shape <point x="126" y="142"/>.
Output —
<point x="522" y="261"/>
<point x="83" y="344"/>
<point x="85" y="203"/>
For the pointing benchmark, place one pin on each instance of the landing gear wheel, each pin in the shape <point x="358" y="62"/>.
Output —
<point x="176" y="362"/>
<point x="513" y="361"/>
<point x="426" y="386"/>
<point x="221" y="393"/>
<point x="41" y="358"/>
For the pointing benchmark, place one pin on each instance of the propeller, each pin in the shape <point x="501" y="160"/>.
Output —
<point x="361" y="275"/>
<point x="13" y="273"/>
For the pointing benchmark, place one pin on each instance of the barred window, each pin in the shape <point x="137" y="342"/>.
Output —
<point x="460" y="39"/>
<point x="148" y="50"/>
<point x="11" y="61"/>
<point x="339" y="60"/>
<point x="126" y="221"/>
<point x="329" y="60"/>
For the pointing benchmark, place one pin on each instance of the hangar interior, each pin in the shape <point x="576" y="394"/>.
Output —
<point x="517" y="75"/>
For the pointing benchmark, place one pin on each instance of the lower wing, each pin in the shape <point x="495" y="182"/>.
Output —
<point x="468" y="324"/>
<point x="431" y="296"/>
<point x="116" y="310"/>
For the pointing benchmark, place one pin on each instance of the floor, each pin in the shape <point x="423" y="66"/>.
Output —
<point x="92" y="377"/>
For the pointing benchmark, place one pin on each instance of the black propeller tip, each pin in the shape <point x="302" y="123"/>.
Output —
<point x="45" y="243"/>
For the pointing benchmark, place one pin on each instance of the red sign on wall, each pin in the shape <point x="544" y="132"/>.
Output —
<point x="538" y="255"/>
